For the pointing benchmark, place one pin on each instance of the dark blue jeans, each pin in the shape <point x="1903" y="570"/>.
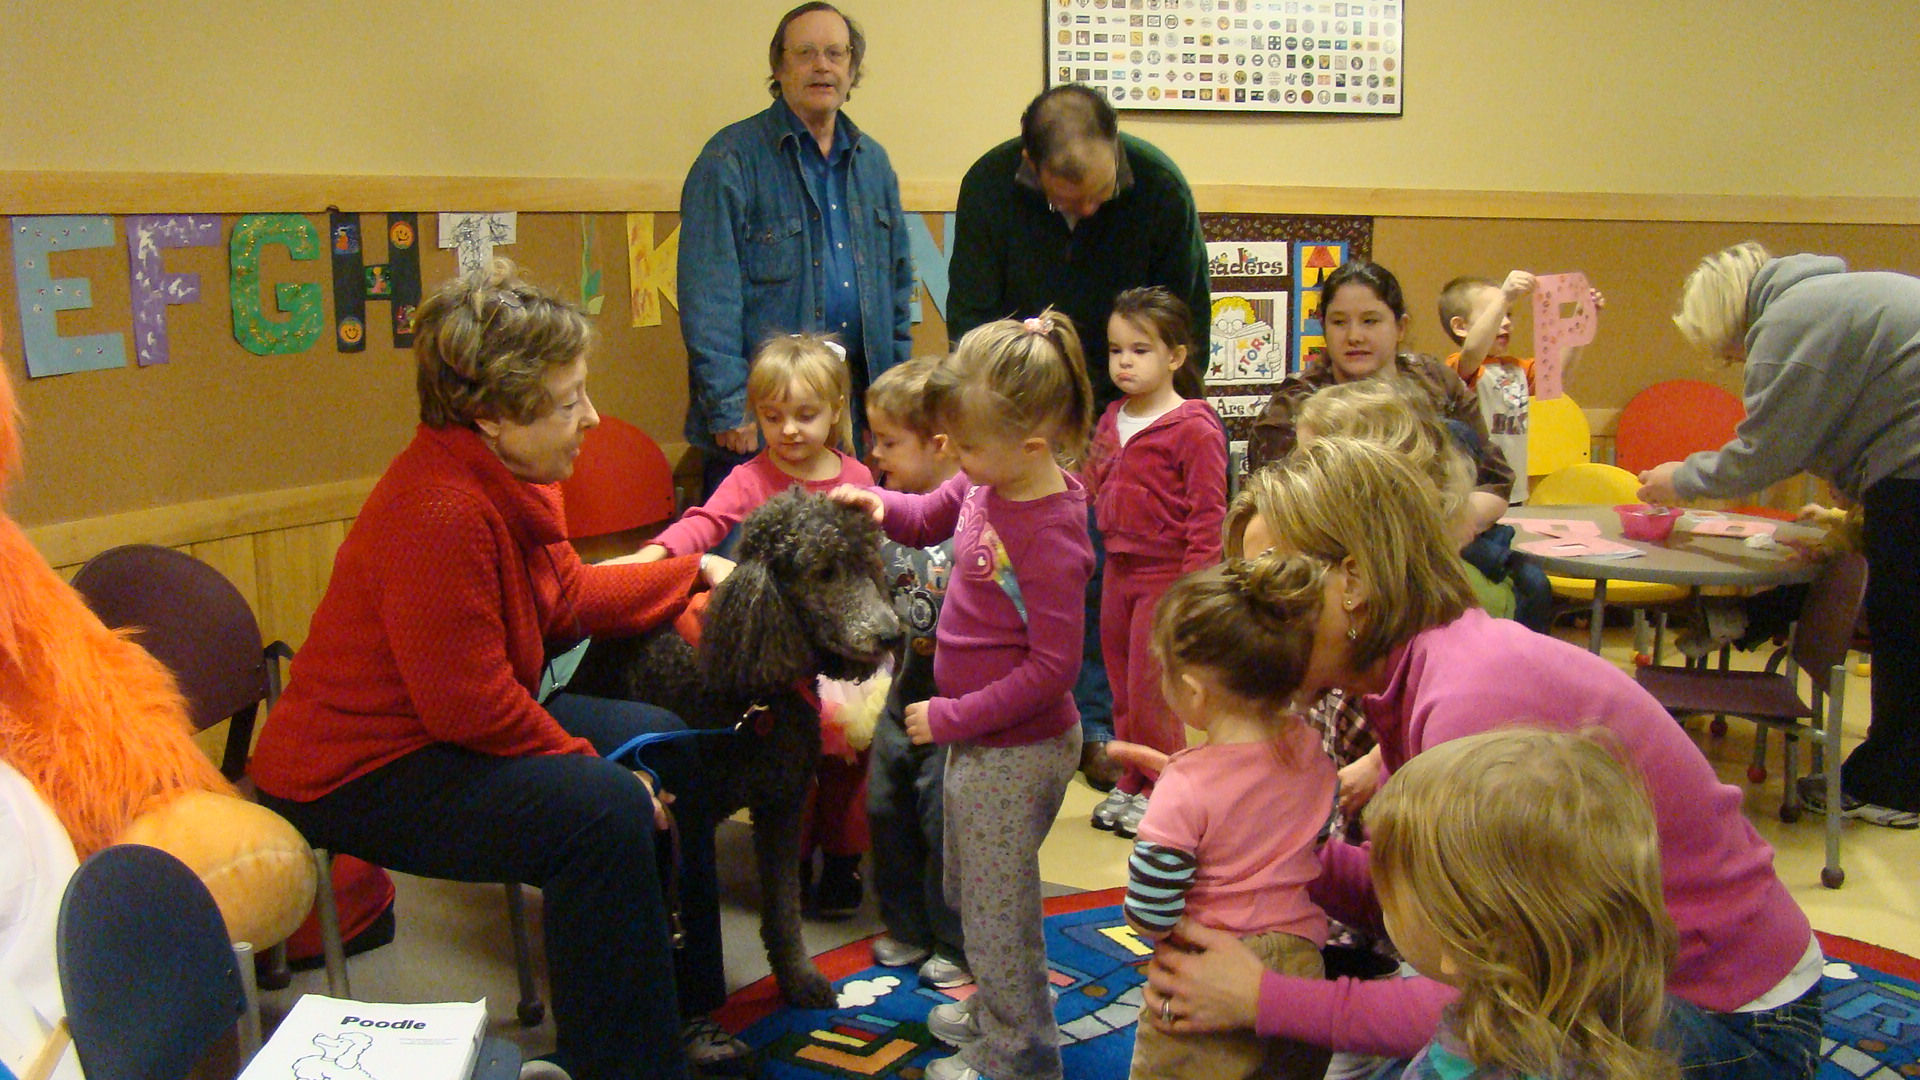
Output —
<point x="581" y="829"/>
<point x="904" y="786"/>
<point x="1779" y="1044"/>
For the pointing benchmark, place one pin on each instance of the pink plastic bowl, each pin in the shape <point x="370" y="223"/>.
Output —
<point x="1651" y="523"/>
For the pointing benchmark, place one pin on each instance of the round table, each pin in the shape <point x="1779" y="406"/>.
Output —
<point x="1684" y="558"/>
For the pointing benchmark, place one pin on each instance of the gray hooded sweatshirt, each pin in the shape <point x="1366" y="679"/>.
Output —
<point x="1832" y="383"/>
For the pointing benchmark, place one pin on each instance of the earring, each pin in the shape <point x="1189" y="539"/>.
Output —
<point x="1349" y="604"/>
<point x="1352" y="634"/>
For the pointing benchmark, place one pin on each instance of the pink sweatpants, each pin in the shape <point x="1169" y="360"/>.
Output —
<point x="1132" y="587"/>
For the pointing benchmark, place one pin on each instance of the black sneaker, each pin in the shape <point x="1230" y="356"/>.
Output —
<point x="839" y="890"/>
<point x="1813" y="795"/>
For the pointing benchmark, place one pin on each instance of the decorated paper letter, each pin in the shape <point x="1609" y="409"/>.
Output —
<point x="1563" y="319"/>
<point x="42" y="295"/>
<point x="474" y="236"/>
<point x="151" y="287"/>
<point x="355" y="282"/>
<point x="651" y="271"/>
<point x="301" y="303"/>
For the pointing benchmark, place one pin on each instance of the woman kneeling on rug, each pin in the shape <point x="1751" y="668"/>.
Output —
<point x="410" y="733"/>
<point x="1398" y="630"/>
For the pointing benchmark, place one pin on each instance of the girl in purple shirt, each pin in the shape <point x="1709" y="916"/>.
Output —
<point x="1015" y="404"/>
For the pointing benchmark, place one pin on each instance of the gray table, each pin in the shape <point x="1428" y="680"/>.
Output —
<point x="1682" y="559"/>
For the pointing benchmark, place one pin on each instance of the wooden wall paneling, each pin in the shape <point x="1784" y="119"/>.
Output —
<point x="292" y="567"/>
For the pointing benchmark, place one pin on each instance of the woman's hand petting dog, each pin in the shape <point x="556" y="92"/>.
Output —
<point x="860" y="499"/>
<point x="918" y="727"/>
<point x="714" y="570"/>
<point x="662" y="817"/>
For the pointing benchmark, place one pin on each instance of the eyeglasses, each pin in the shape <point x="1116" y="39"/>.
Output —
<point x="837" y="55"/>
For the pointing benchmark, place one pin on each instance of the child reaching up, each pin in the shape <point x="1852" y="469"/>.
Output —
<point x="1231" y="839"/>
<point x="1157" y="474"/>
<point x="1014" y="402"/>
<point x="1555" y="933"/>
<point x="905" y="780"/>
<point x="797" y="390"/>
<point x="1473" y="312"/>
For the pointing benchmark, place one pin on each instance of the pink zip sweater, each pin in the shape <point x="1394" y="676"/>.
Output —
<point x="1740" y="930"/>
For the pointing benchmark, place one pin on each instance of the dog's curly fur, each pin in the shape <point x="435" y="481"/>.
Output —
<point x="807" y="598"/>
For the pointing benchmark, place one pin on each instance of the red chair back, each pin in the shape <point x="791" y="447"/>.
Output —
<point x="1669" y="420"/>
<point x="620" y="481"/>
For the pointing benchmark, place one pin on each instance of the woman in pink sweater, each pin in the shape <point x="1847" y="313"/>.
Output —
<point x="1398" y="628"/>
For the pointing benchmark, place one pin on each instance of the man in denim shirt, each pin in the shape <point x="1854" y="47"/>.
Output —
<point x="790" y="222"/>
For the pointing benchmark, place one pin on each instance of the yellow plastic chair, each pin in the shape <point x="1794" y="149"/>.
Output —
<point x="1557" y="435"/>
<point x="1595" y="484"/>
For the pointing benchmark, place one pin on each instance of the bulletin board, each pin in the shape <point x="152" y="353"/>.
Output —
<point x="1285" y="56"/>
<point x="1266" y="270"/>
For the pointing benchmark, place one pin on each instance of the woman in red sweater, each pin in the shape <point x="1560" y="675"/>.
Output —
<point x="411" y="732"/>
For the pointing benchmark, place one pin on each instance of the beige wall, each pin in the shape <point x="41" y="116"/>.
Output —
<point x="1758" y="97"/>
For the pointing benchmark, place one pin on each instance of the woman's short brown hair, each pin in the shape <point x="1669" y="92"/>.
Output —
<point x="1341" y="498"/>
<point x="484" y="341"/>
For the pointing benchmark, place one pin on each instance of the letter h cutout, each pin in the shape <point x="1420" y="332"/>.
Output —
<point x="396" y="281"/>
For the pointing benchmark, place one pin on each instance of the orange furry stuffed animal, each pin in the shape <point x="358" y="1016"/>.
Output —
<point x="99" y="728"/>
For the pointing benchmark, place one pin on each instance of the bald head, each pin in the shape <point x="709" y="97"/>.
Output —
<point x="1066" y="127"/>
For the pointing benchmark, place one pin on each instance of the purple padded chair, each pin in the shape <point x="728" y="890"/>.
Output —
<point x="1771" y="698"/>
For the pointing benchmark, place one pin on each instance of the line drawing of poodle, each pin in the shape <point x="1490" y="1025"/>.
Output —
<point x="808" y="598"/>
<point x="338" y="1059"/>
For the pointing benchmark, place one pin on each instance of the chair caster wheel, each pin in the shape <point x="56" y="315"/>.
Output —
<point x="531" y="1013"/>
<point x="1718" y="726"/>
<point x="1756" y="774"/>
<point x="1641" y="659"/>
<point x="1789" y="814"/>
<point x="1832" y="878"/>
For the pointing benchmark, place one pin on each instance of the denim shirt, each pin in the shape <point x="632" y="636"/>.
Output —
<point x="749" y="267"/>
<point x="832" y="228"/>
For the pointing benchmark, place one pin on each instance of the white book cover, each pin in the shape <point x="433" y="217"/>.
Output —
<point x="326" y="1038"/>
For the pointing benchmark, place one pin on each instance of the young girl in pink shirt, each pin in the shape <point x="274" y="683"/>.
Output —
<point x="1233" y="836"/>
<point x="1157" y="474"/>
<point x="1015" y="404"/>
<point x="798" y="390"/>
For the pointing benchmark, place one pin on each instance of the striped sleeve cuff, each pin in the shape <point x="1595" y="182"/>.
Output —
<point x="1158" y="878"/>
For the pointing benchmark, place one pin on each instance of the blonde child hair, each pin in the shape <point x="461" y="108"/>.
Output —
<point x="1531" y="858"/>
<point x="901" y="394"/>
<point x="1456" y="302"/>
<point x="1713" y="303"/>
<point x="1019" y="378"/>
<point x="816" y="362"/>
<point x="1344" y="500"/>
<point x="1380" y="410"/>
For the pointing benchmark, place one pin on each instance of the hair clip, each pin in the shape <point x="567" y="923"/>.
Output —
<point x="1039" y="324"/>
<point x="839" y="350"/>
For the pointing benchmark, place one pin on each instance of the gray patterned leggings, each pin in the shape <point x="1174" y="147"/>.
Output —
<point x="1000" y="803"/>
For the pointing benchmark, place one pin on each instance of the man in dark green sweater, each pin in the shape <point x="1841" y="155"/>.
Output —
<point x="1070" y="214"/>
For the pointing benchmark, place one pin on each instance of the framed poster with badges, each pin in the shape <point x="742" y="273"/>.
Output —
<point x="1290" y="56"/>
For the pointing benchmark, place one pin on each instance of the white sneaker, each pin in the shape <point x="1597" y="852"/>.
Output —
<point x="944" y="973"/>
<point x="890" y="951"/>
<point x="953" y="1023"/>
<point x="951" y="1068"/>
<point x="1107" y="815"/>
<point x="1128" y="824"/>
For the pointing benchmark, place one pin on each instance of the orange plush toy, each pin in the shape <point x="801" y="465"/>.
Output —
<point x="99" y="728"/>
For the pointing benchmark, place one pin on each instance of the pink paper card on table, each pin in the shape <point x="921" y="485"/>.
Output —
<point x="1564" y="318"/>
<point x="1573" y="547"/>
<point x="1719" y="526"/>
<point x="1558" y="528"/>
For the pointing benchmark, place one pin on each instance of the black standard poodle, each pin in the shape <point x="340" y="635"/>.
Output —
<point x="807" y="598"/>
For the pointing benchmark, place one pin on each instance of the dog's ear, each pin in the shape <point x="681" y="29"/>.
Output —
<point x="753" y="641"/>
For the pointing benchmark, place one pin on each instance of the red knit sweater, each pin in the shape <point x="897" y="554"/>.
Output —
<point x="434" y="626"/>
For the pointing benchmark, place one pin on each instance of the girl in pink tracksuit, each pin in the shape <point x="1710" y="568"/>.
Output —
<point x="1157" y="472"/>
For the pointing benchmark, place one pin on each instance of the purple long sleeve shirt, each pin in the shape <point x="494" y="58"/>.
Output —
<point x="1009" y="643"/>
<point x="1741" y="932"/>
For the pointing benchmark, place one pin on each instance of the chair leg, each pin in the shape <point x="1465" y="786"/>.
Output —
<point x="330" y="944"/>
<point x="1757" y="767"/>
<point x="1719" y="724"/>
<point x="531" y="1010"/>
<point x="1659" y="636"/>
<point x="250" y="991"/>
<point x="1790" y="795"/>
<point x="1831" y="875"/>
<point x="273" y="972"/>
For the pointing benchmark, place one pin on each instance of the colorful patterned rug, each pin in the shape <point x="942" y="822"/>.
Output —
<point x="879" y="1030"/>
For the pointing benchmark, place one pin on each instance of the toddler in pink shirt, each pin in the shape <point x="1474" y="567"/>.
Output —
<point x="1232" y="835"/>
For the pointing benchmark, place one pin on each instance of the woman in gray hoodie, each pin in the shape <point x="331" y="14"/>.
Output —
<point x="1832" y="388"/>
